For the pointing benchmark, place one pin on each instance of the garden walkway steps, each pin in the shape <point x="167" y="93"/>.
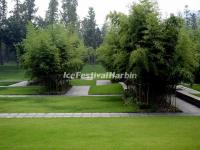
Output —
<point x="103" y="82"/>
<point x="90" y="115"/>
<point x="20" y="84"/>
<point x="78" y="91"/>
<point x="186" y="107"/>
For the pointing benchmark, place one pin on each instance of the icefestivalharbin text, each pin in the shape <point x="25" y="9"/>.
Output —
<point x="94" y="75"/>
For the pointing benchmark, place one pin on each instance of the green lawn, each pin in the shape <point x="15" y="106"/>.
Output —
<point x="11" y="72"/>
<point x="106" y="89"/>
<point x="78" y="82"/>
<point x="57" y="104"/>
<point x="93" y="68"/>
<point x="7" y="83"/>
<point x="194" y="86"/>
<point x="196" y="95"/>
<point x="138" y="133"/>
<point x="29" y="90"/>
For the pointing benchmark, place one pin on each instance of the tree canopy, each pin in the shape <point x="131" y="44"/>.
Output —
<point x="159" y="51"/>
<point x="49" y="53"/>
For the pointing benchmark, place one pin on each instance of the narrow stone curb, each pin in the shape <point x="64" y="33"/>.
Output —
<point x="89" y="115"/>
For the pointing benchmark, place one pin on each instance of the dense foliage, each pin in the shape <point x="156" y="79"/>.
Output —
<point x="159" y="51"/>
<point x="49" y="53"/>
<point x="91" y="34"/>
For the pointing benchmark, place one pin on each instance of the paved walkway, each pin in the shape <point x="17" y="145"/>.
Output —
<point x="103" y="82"/>
<point x="78" y="91"/>
<point x="20" y="84"/>
<point x="186" y="107"/>
<point x="188" y="90"/>
<point x="90" y="115"/>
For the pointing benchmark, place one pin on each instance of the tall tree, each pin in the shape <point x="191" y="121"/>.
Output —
<point x="3" y="13"/>
<point x="187" y="15"/>
<point x="30" y="9"/>
<point x="15" y="28"/>
<point x="52" y="12"/>
<point x="40" y="22"/>
<point x="89" y="29"/>
<point x="69" y="15"/>
<point x="98" y="37"/>
<point x="104" y="30"/>
<point x="194" y="24"/>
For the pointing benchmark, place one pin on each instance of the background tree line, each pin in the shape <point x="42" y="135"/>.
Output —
<point x="13" y="28"/>
<point x="48" y="47"/>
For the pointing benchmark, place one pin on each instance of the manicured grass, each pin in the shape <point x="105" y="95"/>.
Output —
<point x="57" y="104"/>
<point x="106" y="89"/>
<point x="30" y="90"/>
<point x="11" y="72"/>
<point x="93" y="68"/>
<point x="138" y="133"/>
<point x="196" y="95"/>
<point x="194" y="86"/>
<point x="7" y="83"/>
<point x="79" y="82"/>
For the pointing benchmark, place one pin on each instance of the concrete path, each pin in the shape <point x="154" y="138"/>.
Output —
<point x="20" y="84"/>
<point x="103" y="82"/>
<point x="78" y="91"/>
<point x="186" y="107"/>
<point x="90" y="115"/>
<point x="188" y="90"/>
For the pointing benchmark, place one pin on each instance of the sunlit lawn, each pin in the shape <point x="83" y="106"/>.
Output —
<point x="7" y="83"/>
<point x="194" y="86"/>
<point x="29" y="90"/>
<point x="59" y="104"/>
<point x="11" y="72"/>
<point x="137" y="133"/>
<point x="79" y="82"/>
<point x="106" y="89"/>
<point x="93" y="68"/>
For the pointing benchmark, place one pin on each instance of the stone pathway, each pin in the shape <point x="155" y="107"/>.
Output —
<point x="188" y="90"/>
<point x="186" y="107"/>
<point x="20" y="84"/>
<point x="103" y="82"/>
<point x="78" y="91"/>
<point x="90" y="115"/>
